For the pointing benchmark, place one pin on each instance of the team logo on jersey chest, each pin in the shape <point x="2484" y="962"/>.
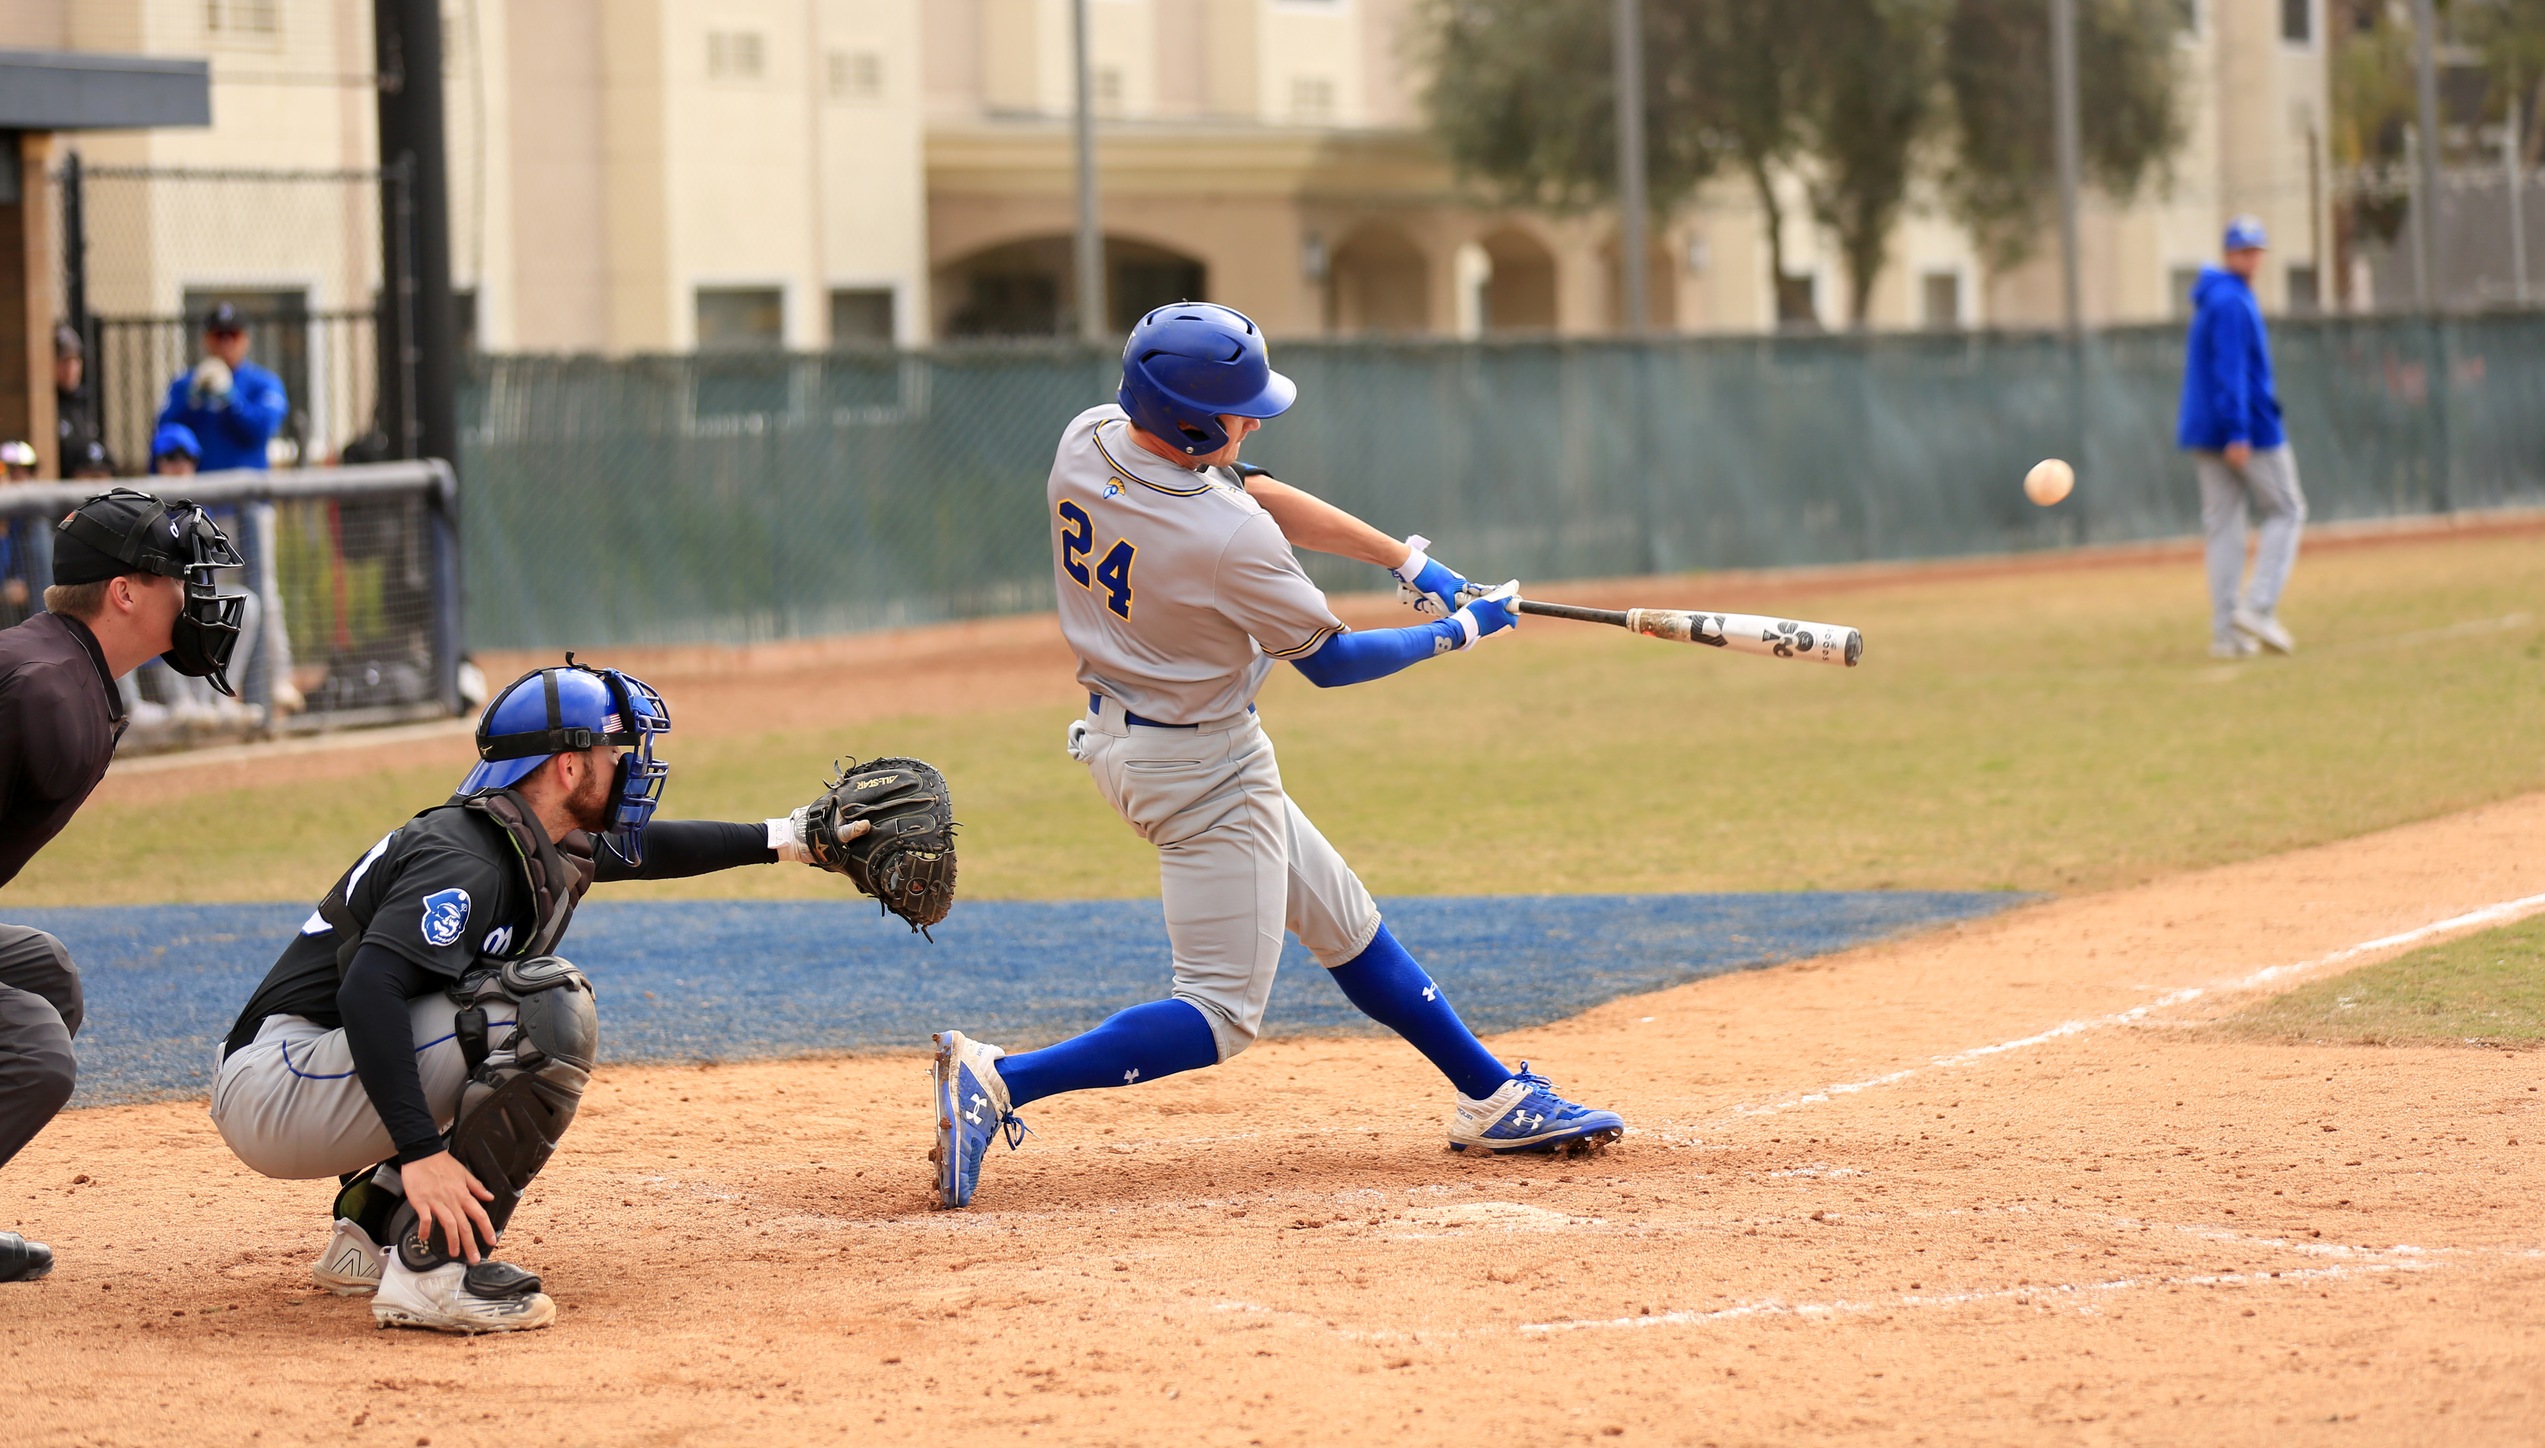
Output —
<point x="445" y="916"/>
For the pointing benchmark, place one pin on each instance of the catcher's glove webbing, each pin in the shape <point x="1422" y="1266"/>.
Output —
<point x="888" y="825"/>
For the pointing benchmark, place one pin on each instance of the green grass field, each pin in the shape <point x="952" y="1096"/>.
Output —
<point x="2056" y="731"/>
<point x="2486" y="989"/>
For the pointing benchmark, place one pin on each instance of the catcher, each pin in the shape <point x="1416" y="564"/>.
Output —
<point x="422" y="1041"/>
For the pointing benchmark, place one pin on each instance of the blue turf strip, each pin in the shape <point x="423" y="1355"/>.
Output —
<point x="727" y="980"/>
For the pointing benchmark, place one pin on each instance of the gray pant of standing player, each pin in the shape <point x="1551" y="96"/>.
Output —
<point x="2268" y="483"/>
<point x="290" y="1105"/>
<point x="1237" y="862"/>
<point x="40" y="1010"/>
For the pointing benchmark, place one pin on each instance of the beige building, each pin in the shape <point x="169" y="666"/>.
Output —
<point x="660" y="175"/>
<point x="1269" y="153"/>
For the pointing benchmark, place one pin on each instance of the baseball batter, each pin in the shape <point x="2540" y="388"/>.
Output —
<point x="1179" y="590"/>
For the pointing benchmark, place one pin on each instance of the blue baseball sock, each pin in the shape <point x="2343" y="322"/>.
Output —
<point x="1392" y="990"/>
<point x="1140" y="1044"/>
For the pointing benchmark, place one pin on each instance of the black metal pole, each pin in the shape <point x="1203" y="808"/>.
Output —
<point x="408" y="36"/>
<point x="75" y="250"/>
<point x="92" y="386"/>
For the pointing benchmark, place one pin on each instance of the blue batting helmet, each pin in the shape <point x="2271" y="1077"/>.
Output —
<point x="550" y="711"/>
<point x="2245" y="233"/>
<point x="1187" y="364"/>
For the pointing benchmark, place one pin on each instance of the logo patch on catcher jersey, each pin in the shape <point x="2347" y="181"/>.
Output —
<point x="445" y="916"/>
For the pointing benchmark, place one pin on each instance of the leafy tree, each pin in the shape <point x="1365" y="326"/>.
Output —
<point x="2511" y="37"/>
<point x="1873" y="94"/>
<point x="1852" y="96"/>
<point x="2002" y="181"/>
<point x="1522" y="94"/>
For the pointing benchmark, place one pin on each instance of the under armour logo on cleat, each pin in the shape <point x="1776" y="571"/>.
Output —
<point x="1131" y="1075"/>
<point x="1527" y="1122"/>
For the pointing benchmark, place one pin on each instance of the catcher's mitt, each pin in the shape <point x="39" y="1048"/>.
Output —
<point x="888" y="825"/>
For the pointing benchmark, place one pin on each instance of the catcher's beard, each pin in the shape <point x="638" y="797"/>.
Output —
<point x="589" y="805"/>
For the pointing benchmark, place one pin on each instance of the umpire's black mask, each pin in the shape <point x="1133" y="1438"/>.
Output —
<point x="124" y="531"/>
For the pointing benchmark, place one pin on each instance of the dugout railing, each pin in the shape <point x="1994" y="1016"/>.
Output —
<point x="355" y="577"/>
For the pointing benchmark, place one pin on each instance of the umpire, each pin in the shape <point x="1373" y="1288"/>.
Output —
<point x="132" y="579"/>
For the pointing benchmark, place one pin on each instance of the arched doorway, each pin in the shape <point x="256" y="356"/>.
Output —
<point x="1520" y="296"/>
<point x="1378" y="283"/>
<point x="1029" y="288"/>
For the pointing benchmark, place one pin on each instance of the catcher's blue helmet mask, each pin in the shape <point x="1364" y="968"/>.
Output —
<point x="1186" y="364"/>
<point x="550" y="711"/>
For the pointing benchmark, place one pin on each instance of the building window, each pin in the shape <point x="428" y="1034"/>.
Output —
<point x="243" y="19"/>
<point x="856" y="75"/>
<point x="2304" y="298"/>
<point x="2187" y="16"/>
<point x="1940" y="292"/>
<point x="862" y="317"/>
<point x="741" y="319"/>
<point x="735" y="55"/>
<point x="2178" y="285"/>
<point x="1108" y="88"/>
<point x="1311" y="99"/>
<point x="2297" y="21"/>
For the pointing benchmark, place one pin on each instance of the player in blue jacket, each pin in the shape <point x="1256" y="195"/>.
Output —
<point x="2230" y="424"/>
<point x="231" y="405"/>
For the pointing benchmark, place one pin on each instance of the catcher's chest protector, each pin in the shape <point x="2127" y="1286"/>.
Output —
<point x="554" y="875"/>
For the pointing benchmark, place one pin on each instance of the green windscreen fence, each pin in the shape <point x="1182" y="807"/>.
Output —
<point x="723" y="498"/>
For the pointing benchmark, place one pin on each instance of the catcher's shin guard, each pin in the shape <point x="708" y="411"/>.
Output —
<point x="522" y="1091"/>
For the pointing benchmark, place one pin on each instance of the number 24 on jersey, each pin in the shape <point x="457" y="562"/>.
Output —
<point x="1112" y="572"/>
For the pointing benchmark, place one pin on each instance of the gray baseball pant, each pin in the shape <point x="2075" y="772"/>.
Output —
<point x="1237" y="862"/>
<point x="2268" y="483"/>
<point x="290" y="1105"/>
<point x="40" y="1010"/>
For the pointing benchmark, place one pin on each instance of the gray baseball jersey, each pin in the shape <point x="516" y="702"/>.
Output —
<point x="1177" y="591"/>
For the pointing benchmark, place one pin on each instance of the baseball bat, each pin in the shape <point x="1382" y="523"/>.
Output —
<point x="1742" y="633"/>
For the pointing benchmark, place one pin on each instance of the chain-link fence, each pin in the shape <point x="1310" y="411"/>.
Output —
<point x="734" y="499"/>
<point x="298" y="255"/>
<point x="353" y="616"/>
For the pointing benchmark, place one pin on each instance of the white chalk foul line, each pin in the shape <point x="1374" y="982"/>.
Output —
<point x="2045" y="1295"/>
<point x="2499" y="914"/>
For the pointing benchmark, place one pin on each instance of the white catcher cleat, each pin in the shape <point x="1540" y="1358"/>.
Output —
<point x="350" y="1266"/>
<point x="455" y="1297"/>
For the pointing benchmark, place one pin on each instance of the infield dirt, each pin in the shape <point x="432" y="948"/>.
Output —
<point x="2128" y="1231"/>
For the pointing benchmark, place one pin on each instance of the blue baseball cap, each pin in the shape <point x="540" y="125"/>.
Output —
<point x="2245" y="233"/>
<point x="175" y="439"/>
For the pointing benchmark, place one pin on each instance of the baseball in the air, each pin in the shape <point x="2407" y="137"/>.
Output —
<point x="2049" y="481"/>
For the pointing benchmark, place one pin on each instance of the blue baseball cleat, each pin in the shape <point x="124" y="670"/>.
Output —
<point x="1527" y="1115"/>
<point x="971" y="1109"/>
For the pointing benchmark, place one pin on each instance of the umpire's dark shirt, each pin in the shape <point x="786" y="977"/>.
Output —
<point x="59" y="715"/>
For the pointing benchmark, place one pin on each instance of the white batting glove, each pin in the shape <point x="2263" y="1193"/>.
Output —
<point x="1491" y="612"/>
<point x="211" y="385"/>
<point x="1425" y="584"/>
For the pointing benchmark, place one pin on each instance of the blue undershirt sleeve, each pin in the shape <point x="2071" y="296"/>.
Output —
<point x="1357" y="658"/>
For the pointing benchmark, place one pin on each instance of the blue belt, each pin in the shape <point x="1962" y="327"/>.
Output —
<point x="1096" y="705"/>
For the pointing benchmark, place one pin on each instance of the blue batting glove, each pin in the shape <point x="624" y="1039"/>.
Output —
<point x="1425" y="584"/>
<point x="1489" y="613"/>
